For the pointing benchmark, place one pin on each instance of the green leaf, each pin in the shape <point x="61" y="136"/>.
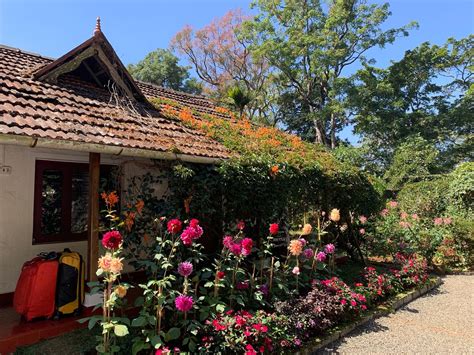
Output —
<point x="120" y="330"/>
<point x="172" y="334"/>
<point x="139" y="322"/>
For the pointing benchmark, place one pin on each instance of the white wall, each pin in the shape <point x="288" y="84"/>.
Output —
<point x="16" y="205"/>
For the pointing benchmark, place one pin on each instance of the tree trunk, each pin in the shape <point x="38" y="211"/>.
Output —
<point x="333" y="130"/>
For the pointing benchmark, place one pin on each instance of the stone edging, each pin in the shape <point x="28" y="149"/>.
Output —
<point x="399" y="301"/>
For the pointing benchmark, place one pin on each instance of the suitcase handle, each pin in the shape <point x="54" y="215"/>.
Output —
<point x="52" y="255"/>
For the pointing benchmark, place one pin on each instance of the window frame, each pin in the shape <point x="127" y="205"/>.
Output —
<point x="66" y="168"/>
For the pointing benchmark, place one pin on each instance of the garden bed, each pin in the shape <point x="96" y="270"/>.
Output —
<point x="383" y="309"/>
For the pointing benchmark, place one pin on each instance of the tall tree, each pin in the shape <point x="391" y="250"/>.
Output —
<point x="310" y="43"/>
<point x="429" y="92"/>
<point x="161" y="67"/>
<point x="222" y="59"/>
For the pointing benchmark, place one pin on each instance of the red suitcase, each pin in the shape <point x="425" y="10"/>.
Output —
<point x="36" y="289"/>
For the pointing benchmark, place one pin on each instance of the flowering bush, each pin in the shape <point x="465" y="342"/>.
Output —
<point x="248" y="299"/>
<point x="110" y="266"/>
<point x="242" y="332"/>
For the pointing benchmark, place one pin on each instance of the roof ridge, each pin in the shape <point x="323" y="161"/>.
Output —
<point x="26" y="52"/>
<point x="202" y="97"/>
<point x="176" y="91"/>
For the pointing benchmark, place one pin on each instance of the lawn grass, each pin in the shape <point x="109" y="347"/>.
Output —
<point x="77" y="342"/>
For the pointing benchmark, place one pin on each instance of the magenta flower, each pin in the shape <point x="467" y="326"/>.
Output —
<point x="242" y="285"/>
<point x="308" y="253"/>
<point x="247" y="244"/>
<point x="329" y="248"/>
<point x="183" y="303"/>
<point x="227" y="241"/>
<point x="236" y="249"/>
<point x="192" y="232"/>
<point x="321" y="256"/>
<point x="185" y="268"/>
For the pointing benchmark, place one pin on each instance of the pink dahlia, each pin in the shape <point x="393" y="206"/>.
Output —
<point x="274" y="228"/>
<point x="174" y="226"/>
<point x="363" y="219"/>
<point x="112" y="240"/>
<point x="236" y="248"/>
<point x="393" y="204"/>
<point x="321" y="256"/>
<point x="185" y="268"/>
<point x="183" y="303"/>
<point x="296" y="270"/>
<point x="227" y="241"/>
<point x="308" y="253"/>
<point x="362" y="231"/>
<point x="329" y="248"/>
<point x="191" y="233"/>
<point x="438" y="221"/>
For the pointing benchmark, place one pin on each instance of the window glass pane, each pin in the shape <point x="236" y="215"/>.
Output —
<point x="51" y="194"/>
<point x="79" y="203"/>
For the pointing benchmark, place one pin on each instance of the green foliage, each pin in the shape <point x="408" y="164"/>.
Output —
<point x="309" y="44"/>
<point x="239" y="98"/>
<point x="426" y="93"/>
<point x="413" y="161"/>
<point x="161" y="67"/>
<point x="461" y="188"/>
<point x="428" y="198"/>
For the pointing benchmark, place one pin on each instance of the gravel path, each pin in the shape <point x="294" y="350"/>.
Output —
<point x="441" y="322"/>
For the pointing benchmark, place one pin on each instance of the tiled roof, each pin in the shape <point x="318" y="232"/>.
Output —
<point x="78" y="111"/>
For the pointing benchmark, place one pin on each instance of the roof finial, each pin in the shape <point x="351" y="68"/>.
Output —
<point x="97" y="29"/>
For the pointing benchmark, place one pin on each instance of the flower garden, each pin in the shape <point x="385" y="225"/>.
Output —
<point x="258" y="294"/>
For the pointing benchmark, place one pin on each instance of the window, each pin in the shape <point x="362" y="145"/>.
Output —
<point x="61" y="200"/>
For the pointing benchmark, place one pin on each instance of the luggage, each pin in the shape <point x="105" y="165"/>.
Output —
<point x="36" y="289"/>
<point x="70" y="284"/>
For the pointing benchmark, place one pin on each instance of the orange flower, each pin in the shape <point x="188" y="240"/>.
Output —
<point x="274" y="170"/>
<point x="307" y="228"/>
<point x="110" y="199"/>
<point x="120" y="291"/>
<point x="105" y="261"/>
<point x="295" y="247"/>
<point x="335" y="215"/>
<point x="139" y="206"/>
<point x="116" y="265"/>
<point x="129" y="220"/>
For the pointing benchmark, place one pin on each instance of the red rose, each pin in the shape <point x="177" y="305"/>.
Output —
<point x="274" y="228"/>
<point x="220" y="275"/>
<point x="112" y="240"/>
<point x="175" y="226"/>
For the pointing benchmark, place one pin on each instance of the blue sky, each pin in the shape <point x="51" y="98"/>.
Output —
<point x="53" y="27"/>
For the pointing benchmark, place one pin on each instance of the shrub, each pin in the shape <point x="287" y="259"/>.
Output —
<point x="426" y="198"/>
<point x="461" y="189"/>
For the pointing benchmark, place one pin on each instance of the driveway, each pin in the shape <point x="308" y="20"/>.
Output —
<point x="440" y="322"/>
